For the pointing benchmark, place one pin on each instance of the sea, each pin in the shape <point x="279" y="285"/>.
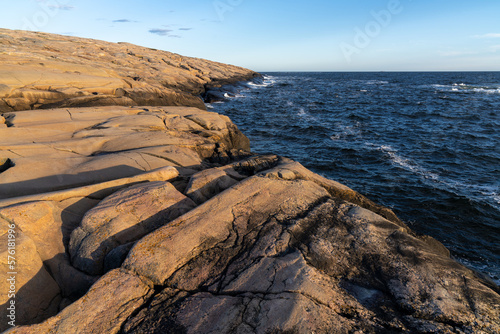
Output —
<point x="426" y="145"/>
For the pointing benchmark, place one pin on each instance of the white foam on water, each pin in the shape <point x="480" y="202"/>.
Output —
<point x="483" y="193"/>
<point x="376" y="82"/>
<point x="302" y="112"/>
<point x="483" y="268"/>
<point x="487" y="91"/>
<point x="465" y="88"/>
<point x="346" y="131"/>
<point x="268" y="81"/>
<point x="255" y="85"/>
<point x="404" y="163"/>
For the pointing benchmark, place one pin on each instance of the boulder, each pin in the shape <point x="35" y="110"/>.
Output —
<point x="121" y="218"/>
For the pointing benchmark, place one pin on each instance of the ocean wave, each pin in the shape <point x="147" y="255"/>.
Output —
<point x="480" y="193"/>
<point x="266" y="82"/>
<point x="405" y="163"/>
<point x="485" y="268"/>
<point x="376" y="82"/>
<point x="465" y="88"/>
<point x="301" y="112"/>
<point x="346" y="131"/>
<point x="233" y="96"/>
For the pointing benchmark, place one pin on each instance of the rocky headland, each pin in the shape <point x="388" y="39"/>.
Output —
<point x="135" y="210"/>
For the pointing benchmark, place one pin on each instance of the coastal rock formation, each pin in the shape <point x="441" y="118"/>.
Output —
<point x="158" y="219"/>
<point x="40" y="70"/>
<point x="281" y="250"/>
<point x="74" y="147"/>
<point x="121" y="219"/>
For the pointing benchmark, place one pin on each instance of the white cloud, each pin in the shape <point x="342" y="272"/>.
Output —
<point x="490" y="35"/>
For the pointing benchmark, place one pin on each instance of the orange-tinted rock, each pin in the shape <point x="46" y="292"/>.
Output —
<point x="40" y="70"/>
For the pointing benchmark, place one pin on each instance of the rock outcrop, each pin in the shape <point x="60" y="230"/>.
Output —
<point x="280" y="250"/>
<point x="144" y="219"/>
<point x="55" y="149"/>
<point x="39" y="70"/>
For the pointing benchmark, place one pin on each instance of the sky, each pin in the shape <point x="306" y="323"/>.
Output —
<point x="292" y="35"/>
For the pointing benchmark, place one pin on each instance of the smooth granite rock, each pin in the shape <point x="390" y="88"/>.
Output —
<point x="83" y="146"/>
<point x="208" y="183"/>
<point x="40" y="70"/>
<point x="274" y="253"/>
<point x="158" y="219"/>
<point x="37" y="295"/>
<point x="102" y="310"/>
<point x="46" y="280"/>
<point x="124" y="217"/>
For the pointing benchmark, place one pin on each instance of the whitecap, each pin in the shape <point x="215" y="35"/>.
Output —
<point x="302" y="112"/>
<point x="466" y="88"/>
<point x="486" y="90"/>
<point x="405" y="163"/>
<point x="267" y="81"/>
<point x="346" y="131"/>
<point x="376" y="82"/>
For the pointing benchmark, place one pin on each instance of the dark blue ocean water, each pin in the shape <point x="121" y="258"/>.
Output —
<point x="426" y="145"/>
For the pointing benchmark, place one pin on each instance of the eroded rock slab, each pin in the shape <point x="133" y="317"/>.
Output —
<point x="40" y="70"/>
<point x="46" y="281"/>
<point x="119" y="293"/>
<point x="37" y="295"/>
<point x="122" y="218"/>
<point x="284" y="250"/>
<point x="84" y="146"/>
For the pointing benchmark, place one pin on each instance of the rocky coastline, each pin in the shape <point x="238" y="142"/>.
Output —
<point x="132" y="209"/>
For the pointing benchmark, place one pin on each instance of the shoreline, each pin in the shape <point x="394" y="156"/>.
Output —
<point x="164" y="209"/>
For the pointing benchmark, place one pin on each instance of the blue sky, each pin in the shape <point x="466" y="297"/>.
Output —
<point x="347" y="35"/>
